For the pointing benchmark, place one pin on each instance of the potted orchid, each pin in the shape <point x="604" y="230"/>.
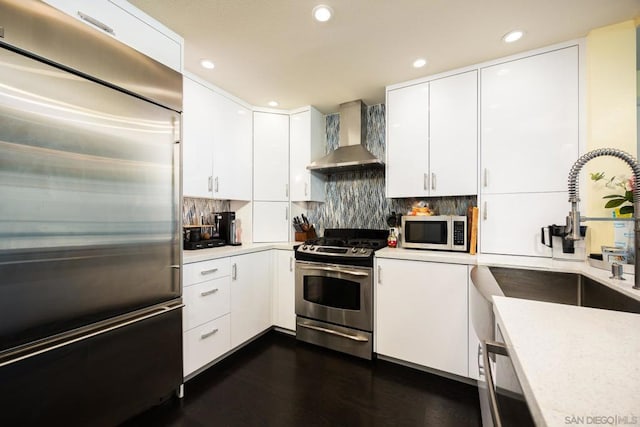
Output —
<point x="624" y="186"/>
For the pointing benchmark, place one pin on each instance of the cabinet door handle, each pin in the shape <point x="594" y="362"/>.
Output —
<point x="286" y="213"/>
<point x="209" y="292"/>
<point x="205" y="272"/>
<point x="425" y="184"/>
<point x="93" y="21"/>
<point x="208" y="334"/>
<point x="433" y="181"/>
<point x="379" y="275"/>
<point x="306" y="189"/>
<point x="290" y="263"/>
<point x="217" y="186"/>
<point x="485" y="179"/>
<point x="210" y="183"/>
<point x="286" y="190"/>
<point x="234" y="271"/>
<point x="484" y="211"/>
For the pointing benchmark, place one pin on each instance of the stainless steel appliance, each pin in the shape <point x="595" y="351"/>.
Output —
<point x="228" y="228"/>
<point x="334" y="290"/>
<point x="441" y="232"/>
<point x="90" y="296"/>
<point x="502" y="400"/>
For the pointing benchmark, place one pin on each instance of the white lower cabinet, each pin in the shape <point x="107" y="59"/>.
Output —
<point x="205" y="343"/>
<point x="422" y="313"/>
<point x="206" y="299"/>
<point x="250" y="295"/>
<point x="205" y="317"/>
<point x="284" y="313"/>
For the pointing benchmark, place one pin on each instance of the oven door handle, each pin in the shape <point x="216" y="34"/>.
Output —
<point x="332" y="332"/>
<point x="496" y="348"/>
<point x="338" y="270"/>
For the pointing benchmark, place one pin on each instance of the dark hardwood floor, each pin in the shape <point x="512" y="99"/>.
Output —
<point x="277" y="381"/>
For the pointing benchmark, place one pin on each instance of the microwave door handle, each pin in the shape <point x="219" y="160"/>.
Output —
<point x="338" y="270"/>
<point x="496" y="348"/>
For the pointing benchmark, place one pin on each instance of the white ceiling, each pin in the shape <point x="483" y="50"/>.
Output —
<point x="273" y="50"/>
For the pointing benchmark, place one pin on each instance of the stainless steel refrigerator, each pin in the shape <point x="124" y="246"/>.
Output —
<point x="90" y="295"/>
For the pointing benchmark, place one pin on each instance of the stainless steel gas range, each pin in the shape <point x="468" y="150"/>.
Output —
<point x="334" y="290"/>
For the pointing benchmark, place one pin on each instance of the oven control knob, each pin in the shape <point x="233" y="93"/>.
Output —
<point x="363" y="251"/>
<point x="354" y="250"/>
<point x="311" y="247"/>
<point x="304" y="248"/>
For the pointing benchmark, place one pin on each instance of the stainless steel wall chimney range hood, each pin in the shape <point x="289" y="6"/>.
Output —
<point x="351" y="153"/>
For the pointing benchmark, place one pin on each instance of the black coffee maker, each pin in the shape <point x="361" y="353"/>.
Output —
<point x="228" y="228"/>
<point x="554" y="236"/>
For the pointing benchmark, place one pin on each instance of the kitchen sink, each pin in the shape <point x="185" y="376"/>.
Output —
<point x="562" y="288"/>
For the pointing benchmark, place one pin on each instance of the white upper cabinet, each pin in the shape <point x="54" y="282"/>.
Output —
<point x="530" y="122"/>
<point x="232" y="166"/>
<point x="307" y="144"/>
<point x="199" y="106"/>
<point x="271" y="221"/>
<point x="511" y="224"/>
<point x="121" y="20"/>
<point x="216" y="149"/>
<point x="453" y="135"/>
<point x="271" y="156"/>
<point x="407" y="168"/>
<point x="432" y="138"/>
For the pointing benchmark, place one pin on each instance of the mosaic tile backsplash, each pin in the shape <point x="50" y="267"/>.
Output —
<point x="193" y="208"/>
<point x="356" y="199"/>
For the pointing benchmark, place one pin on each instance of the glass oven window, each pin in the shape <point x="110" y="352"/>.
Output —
<point x="434" y="232"/>
<point x="332" y="292"/>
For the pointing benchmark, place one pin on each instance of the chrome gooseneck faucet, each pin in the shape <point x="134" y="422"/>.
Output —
<point x="574" y="218"/>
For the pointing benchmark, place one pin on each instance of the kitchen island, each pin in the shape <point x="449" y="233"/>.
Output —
<point x="576" y="365"/>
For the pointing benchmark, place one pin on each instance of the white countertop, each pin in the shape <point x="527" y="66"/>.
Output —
<point x="198" y="255"/>
<point x="535" y="263"/>
<point x="573" y="361"/>
<point x="425" y="255"/>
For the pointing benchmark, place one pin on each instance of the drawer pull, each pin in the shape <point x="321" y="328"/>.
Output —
<point x="208" y="334"/>
<point x="210" y="292"/>
<point x="205" y="272"/>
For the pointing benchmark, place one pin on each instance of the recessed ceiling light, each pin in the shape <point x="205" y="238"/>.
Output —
<point x="322" y="13"/>
<point x="209" y="65"/>
<point x="419" y="63"/>
<point x="512" y="36"/>
<point x="273" y="103"/>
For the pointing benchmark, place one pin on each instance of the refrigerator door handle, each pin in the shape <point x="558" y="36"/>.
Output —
<point x="82" y="334"/>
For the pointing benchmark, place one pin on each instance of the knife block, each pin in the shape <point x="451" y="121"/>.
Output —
<point x="301" y="236"/>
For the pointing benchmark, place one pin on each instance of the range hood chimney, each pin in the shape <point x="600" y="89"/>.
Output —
<point x="351" y="153"/>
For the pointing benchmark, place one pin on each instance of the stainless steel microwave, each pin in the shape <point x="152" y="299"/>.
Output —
<point x="444" y="232"/>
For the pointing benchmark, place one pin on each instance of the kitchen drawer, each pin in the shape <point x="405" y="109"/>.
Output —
<point x="206" y="270"/>
<point x="206" y="342"/>
<point x="205" y="301"/>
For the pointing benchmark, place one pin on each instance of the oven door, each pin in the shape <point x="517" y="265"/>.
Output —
<point x="336" y="294"/>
